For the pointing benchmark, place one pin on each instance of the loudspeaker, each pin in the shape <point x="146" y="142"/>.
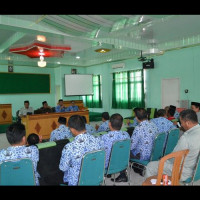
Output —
<point x="148" y="64"/>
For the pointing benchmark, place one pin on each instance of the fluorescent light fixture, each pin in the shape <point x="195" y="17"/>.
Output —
<point x="77" y="57"/>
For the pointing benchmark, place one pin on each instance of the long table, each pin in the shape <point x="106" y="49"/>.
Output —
<point x="44" y="124"/>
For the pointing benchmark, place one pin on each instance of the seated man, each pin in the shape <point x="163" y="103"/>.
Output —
<point x="104" y="126"/>
<point x="60" y="107"/>
<point x="90" y="129"/>
<point x="15" y="134"/>
<point x="62" y="132"/>
<point x="163" y="124"/>
<point x="143" y="136"/>
<point x="171" y="112"/>
<point x="26" y="109"/>
<point x="72" y="153"/>
<point x="33" y="139"/>
<point x="115" y="134"/>
<point x="45" y="107"/>
<point x="135" y="122"/>
<point x="189" y="140"/>
<point x="73" y="107"/>
<point x="196" y="106"/>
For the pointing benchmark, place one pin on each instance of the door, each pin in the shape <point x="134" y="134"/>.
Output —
<point x="170" y="92"/>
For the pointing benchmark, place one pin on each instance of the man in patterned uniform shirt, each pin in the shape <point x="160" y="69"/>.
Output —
<point x="114" y="135"/>
<point x="73" y="107"/>
<point x="163" y="124"/>
<point x="15" y="134"/>
<point x="104" y="126"/>
<point x="72" y="153"/>
<point x="90" y="129"/>
<point x="143" y="136"/>
<point x="62" y="132"/>
<point x="135" y="122"/>
<point x="60" y="107"/>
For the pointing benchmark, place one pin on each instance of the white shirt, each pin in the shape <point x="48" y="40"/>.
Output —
<point x="23" y="111"/>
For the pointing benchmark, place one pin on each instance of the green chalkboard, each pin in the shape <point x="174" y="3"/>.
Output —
<point x="16" y="83"/>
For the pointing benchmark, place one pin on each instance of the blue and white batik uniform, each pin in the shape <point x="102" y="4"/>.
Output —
<point x="72" y="153"/>
<point x="90" y="129"/>
<point x="110" y="138"/>
<point x="62" y="132"/>
<point x="19" y="152"/>
<point x="142" y="139"/>
<point x="72" y="108"/>
<point x="104" y="127"/>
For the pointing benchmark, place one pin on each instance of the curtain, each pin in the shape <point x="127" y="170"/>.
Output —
<point x="95" y="101"/>
<point x="128" y="89"/>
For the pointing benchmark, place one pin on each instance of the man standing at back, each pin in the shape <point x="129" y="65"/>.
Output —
<point x="62" y="132"/>
<point x="189" y="140"/>
<point x="72" y="153"/>
<point x="115" y="134"/>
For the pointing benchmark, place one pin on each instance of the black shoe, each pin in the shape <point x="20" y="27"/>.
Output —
<point x="121" y="178"/>
<point x="108" y="176"/>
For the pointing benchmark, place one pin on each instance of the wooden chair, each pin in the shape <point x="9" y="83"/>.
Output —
<point x="179" y="158"/>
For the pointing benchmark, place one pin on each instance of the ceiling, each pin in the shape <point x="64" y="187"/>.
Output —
<point x="125" y="35"/>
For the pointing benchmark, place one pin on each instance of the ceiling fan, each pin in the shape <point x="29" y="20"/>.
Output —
<point x="142" y="58"/>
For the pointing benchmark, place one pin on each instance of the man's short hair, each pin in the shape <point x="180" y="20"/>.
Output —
<point x="172" y="110"/>
<point x="77" y="122"/>
<point x="189" y="115"/>
<point x="84" y="118"/>
<point x="26" y="101"/>
<point x="33" y="139"/>
<point x="62" y="120"/>
<point x="161" y="113"/>
<point x="15" y="132"/>
<point x="116" y="121"/>
<point x="105" y="115"/>
<point x="141" y="114"/>
<point x="44" y="102"/>
<point x="60" y="100"/>
<point x="196" y="104"/>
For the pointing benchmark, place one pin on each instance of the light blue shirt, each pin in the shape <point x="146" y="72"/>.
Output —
<point x="18" y="152"/>
<point x="142" y="139"/>
<point x="72" y="153"/>
<point x="90" y="129"/>
<point x="62" y="132"/>
<point x="104" y="127"/>
<point x="135" y="123"/>
<point x="72" y="108"/>
<point x="58" y="109"/>
<point x="108" y="140"/>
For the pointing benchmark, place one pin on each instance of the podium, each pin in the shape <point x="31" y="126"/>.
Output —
<point x="44" y="124"/>
<point x="5" y="114"/>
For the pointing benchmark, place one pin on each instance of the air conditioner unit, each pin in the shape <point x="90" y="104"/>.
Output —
<point x="119" y="65"/>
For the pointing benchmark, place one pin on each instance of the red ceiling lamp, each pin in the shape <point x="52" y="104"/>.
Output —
<point x="40" y="49"/>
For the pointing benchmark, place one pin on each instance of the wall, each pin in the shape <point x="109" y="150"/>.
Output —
<point x="183" y="64"/>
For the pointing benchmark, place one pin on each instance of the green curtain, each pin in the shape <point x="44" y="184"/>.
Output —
<point x="95" y="101"/>
<point x="128" y="89"/>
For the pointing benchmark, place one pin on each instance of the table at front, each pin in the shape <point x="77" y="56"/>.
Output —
<point x="44" y="124"/>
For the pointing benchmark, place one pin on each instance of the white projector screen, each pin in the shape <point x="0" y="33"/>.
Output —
<point x="78" y="84"/>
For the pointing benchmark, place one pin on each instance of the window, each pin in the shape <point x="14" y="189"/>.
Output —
<point x="95" y="101"/>
<point x="128" y="89"/>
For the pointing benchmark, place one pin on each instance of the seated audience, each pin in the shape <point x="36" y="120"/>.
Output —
<point x="163" y="124"/>
<point x="143" y="136"/>
<point x="15" y="134"/>
<point x="72" y="153"/>
<point x="189" y="140"/>
<point x="115" y="134"/>
<point x="33" y="139"/>
<point x="62" y="132"/>
<point x="196" y="106"/>
<point x="90" y="129"/>
<point x="135" y="122"/>
<point x="45" y="107"/>
<point x="26" y="109"/>
<point x="73" y="107"/>
<point x="60" y="107"/>
<point x="104" y="126"/>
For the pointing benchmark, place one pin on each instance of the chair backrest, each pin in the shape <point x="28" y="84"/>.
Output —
<point x="157" y="150"/>
<point x="196" y="175"/>
<point x="119" y="156"/>
<point x="172" y="140"/>
<point x="92" y="168"/>
<point x="179" y="158"/>
<point x="17" y="172"/>
<point x="46" y="144"/>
